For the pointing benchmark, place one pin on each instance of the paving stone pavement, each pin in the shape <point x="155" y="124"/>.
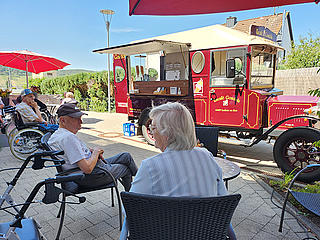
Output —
<point x="256" y="217"/>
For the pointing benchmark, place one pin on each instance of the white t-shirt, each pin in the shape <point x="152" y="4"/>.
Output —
<point x="74" y="149"/>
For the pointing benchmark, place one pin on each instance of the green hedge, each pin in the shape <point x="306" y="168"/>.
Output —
<point x="90" y="89"/>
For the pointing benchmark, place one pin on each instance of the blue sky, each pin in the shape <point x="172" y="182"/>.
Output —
<point x="70" y="29"/>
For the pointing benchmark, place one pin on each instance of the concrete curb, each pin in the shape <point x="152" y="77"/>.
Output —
<point x="289" y="208"/>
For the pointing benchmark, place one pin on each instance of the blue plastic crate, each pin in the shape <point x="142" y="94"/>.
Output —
<point x="129" y="129"/>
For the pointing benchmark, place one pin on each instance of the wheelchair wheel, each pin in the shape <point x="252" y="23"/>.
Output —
<point x="9" y="127"/>
<point x="25" y="142"/>
<point x="12" y="133"/>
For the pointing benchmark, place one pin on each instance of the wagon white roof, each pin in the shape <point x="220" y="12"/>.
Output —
<point x="214" y="36"/>
<point x="149" y="46"/>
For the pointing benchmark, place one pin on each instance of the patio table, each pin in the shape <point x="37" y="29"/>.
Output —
<point x="230" y="170"/>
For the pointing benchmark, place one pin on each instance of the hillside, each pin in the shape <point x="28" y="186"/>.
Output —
<point x="18" y="77"/>
<point x="63" y="72"/>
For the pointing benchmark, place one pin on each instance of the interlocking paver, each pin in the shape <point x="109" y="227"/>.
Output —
<point x="265" y="235"/>
<point x="97" y="217"/>
<point x="100" y="229"/>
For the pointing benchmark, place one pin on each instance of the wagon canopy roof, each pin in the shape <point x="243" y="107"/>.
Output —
<point x="148" y="46"/>
<point x="214" y="36"/>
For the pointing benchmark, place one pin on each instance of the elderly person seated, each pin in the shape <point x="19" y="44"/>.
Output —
<point x="182" y="169"/>
<point x="78" y="155"/>
<point x="69" y="98"/>
<point x="30" y="112"/>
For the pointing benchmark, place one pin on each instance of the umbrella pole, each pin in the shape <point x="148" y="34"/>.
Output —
<point x="27" y="74"/>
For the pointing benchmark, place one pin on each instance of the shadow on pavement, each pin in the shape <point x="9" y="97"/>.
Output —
<point x="3" y="140"/>
<point x="90" y="120"/>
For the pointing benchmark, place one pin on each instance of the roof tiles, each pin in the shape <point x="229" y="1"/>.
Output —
<point x="273" y="22"/>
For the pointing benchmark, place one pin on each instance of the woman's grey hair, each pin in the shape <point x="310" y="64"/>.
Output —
<point x="174" y="120"/>
<point x="69" y="95"/>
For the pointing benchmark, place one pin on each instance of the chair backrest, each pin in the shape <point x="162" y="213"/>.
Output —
<point x="45" y="146"/>
<point x="158" y="217"/>
<point x="18" y="120"/>
<point x="208" y="136"/>
<point x="310" y="201"/>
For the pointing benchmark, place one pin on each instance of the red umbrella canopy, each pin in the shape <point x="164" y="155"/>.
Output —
<point x="190" y="7"/>
<point x="30" y="61"/>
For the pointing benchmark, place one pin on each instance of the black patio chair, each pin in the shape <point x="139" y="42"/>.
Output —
<point x="310" y="201"/>
<point x="180" y="218"/>
<point x="208" y="138"/>
<point x="71" y="188"/>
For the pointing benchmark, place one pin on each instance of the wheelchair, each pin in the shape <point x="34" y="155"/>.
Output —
<point x="25" y="138"/>
<point x="48" y="116"/>
<point x="23" y="228"/>
<point x="7" y="125"/>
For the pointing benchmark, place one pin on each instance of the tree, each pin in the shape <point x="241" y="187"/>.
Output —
<point x="305" y="54"/>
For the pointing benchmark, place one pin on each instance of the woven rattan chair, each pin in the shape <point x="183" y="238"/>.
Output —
<point x="310" y="201"/>
<point x="74" y="188"/>
<point x="180" y="218"/>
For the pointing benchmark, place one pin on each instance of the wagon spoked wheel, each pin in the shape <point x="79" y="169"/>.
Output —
<point x="147" y="133"/>
<point x="295" y="149"/>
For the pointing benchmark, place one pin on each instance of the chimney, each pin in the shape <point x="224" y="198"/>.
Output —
<point x="231" y="21"/>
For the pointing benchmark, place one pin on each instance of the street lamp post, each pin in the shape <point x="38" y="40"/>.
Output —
<point x="107" y="15"/>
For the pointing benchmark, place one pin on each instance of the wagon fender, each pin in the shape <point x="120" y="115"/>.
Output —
<point x="144" y="123"/>
<point x="144" y="116"/>
<point x="266" y="134"/>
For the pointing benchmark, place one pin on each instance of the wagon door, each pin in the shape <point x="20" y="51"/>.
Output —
<point x="120" y="83"/>
<point x="227" y="93"/>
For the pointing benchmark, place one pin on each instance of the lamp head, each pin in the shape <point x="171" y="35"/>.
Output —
<point x="107" y="11"/>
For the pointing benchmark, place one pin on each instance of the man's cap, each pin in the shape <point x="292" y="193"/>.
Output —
<point x="71" y="110"/>
<point x="26" y="92"/>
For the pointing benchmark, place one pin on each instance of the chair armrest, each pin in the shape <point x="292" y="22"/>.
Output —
<point x="67" y="172"/>
<point x="32" y="124"/>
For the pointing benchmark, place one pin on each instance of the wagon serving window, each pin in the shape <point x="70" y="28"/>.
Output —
<point x="262" y="63"/>
<point x="218" y="67"/>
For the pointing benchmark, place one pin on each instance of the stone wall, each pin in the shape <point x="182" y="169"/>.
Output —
<point x="297" y="81"/>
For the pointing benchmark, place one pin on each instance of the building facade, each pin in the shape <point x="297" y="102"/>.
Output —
<point x="279" y="24"/>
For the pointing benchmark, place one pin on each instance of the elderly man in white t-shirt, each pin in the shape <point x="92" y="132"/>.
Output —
<point x="77" y="154"/>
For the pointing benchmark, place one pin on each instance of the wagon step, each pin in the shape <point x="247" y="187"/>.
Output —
<point x="235" y="141"/>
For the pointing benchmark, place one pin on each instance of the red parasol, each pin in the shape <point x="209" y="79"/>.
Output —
<point x="30" y="62"/>
<point x="190" y="7"/>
